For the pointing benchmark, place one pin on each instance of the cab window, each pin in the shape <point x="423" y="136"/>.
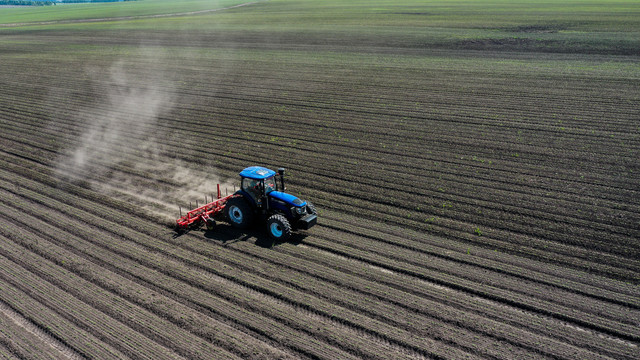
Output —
<point x="269" y="184"/>
<point x="252" y="187"/>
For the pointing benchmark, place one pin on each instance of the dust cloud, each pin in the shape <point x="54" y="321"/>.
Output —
<point x="130" y="96"/>
<point x="118" y="150"/>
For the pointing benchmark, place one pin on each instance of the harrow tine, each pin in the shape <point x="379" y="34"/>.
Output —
<point x="180" y="207"/>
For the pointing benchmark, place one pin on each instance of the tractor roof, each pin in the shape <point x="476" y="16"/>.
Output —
<point x="257" y="172"/>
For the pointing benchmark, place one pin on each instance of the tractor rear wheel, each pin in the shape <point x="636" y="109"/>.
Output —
<point x="238" y="212"/>
<point x="279" y="227"/>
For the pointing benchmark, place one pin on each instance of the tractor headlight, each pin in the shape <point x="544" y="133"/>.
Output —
<point x="300" y="210"/>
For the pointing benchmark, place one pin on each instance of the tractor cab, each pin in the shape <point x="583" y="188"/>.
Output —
<point x="265" y="188"/>
<point x="256" y="184"/>
<point x="262" y="194"/>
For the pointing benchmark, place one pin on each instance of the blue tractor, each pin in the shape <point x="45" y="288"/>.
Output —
<point x="261" y="197"/>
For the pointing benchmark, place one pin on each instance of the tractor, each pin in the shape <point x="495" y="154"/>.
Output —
<point x="261" y="197"/>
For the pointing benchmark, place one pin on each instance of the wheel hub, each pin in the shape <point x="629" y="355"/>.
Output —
<point x="276" y="230"/>
<point x="235" y="214"/>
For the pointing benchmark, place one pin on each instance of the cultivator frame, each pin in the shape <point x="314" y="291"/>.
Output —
<point x="203" y="214"/>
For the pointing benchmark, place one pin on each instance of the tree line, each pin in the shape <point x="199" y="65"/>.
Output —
<point x="26" y="3"/>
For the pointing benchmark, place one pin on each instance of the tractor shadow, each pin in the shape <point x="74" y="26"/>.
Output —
<point x="228" y="235"/>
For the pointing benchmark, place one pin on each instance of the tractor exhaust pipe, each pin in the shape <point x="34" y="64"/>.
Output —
<point x="281" y="173"/>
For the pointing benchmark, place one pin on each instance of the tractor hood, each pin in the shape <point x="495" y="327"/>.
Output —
<point x="287" y="198"/>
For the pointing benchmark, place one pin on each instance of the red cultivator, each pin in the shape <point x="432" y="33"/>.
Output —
<point x="203" y="214"/>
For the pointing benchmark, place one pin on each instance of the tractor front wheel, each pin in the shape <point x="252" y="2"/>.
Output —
<point x="238" y="212"/>
<point x="279" y="227"/>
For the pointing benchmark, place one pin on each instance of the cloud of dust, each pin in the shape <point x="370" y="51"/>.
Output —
<point x="119" y="150"/>
<point x="130" y="96"/>
<point x="162" y="186"/>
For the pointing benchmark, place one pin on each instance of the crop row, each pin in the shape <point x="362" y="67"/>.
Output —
<point x="404" y="118"/>
<point x="408" y="140"/>
<point x="257" y="281"/>
<point x="592" y="314"/>
<point x="208" y="130"/>
<point x="97" y="199"/>
<point x="357" y="271"/>
<point x="471" y="206"/>
<point x="289" y="293"/>
<point x="404" y="123"/>
<point x="401" y="215"/>
<point x="96" y="301"/>
<point x="489" y="279"/>
<point x="301" y="76"/>
<point x="220" y="291"/>
<point x="429" y="192"/>
<point x="347" y="201"/>
<point x="58" y="326"/>
<point x="63" y="316"/>
<point x="353" y="97"/>
<point x="458" y="253"/>
<point x="170" y="309"/>
<point x="477" y="205"/>
<point x="473" y="170"/>
<point x="30" y="344"/>
<point x="439" y="100"/>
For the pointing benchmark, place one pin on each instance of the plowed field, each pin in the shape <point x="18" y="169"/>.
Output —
<point x="478" y="196"/>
